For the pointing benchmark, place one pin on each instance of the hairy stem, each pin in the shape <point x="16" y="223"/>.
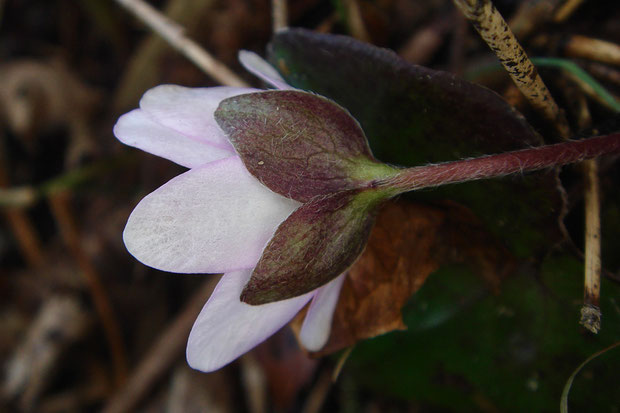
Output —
<point x="492" y="166"/>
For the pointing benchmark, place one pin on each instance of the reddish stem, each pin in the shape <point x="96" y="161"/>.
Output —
<point x="492" y="166"/>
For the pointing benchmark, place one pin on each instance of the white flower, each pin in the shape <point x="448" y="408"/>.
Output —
<point x="214" y="218"/>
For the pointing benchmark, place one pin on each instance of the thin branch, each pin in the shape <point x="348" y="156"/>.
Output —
<point x="164" y="352"/>
<point x="590" y="312"/>
<point x="355" y="20"/>
<point x="317" y="396"/>
<point x="279" y="14"/>
<point x="530" y="16"/>
<point x="592" y="49"/>
<point x="566" y="10"/>
<point x="496" y="33"/>
<point x="20" y="223"/>
<point x="60" y="205"/>
<point x="174" y="35"/>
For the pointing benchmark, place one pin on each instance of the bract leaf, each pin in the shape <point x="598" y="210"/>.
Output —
<point x="315" y="244"/>
<point x="298" y="144"/>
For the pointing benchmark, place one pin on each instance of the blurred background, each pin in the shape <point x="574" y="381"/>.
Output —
<point x="85" y="327"/>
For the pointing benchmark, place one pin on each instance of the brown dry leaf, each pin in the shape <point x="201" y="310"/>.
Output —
<point x="408" y="242"/>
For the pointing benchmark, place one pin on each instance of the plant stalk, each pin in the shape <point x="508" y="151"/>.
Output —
<point x="591" y="312"/>
<point x="492" y="166"/>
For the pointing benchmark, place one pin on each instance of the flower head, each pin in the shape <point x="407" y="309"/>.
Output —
<point x="214" y="218"/>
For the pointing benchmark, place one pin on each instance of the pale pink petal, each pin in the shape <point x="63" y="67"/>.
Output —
<point x="263" y="70"/>
<point x="318" y="322"/>
<point x="190" y="110"/>
<point x="211" y="219"/>
<point x="227" y="328"/>
<point x="140" y="131"/>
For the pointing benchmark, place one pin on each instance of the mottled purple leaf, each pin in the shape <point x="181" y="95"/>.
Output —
<point x="298" y="144"/>
<point x="318" y="242"/>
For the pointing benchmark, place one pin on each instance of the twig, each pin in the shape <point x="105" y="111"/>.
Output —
<point x="316" y="399"/>
<point x="603" y="72"/>
<point x="530" y="15"/>
<point x="355" y="20"/>
<point x="496" y="33"/>
<point x="566" y="10"/>
<point x="20" y="224"/>
<point x="590" y="312"/>
<point x="173" y="34"/>
<point x="144" y="69"/>
<point x="424" y="43"/>
<point x="592" y="49"/>
<point x="340" y="365"/>
<point x="457" y="43"/>
<point x="60" y="205"/>
<point x="254" y="384"/>
<point x="168" y="348"/>
<point x="279" y="14"/>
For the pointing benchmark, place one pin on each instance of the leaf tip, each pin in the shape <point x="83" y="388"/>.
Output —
<point x="253" y="295"/>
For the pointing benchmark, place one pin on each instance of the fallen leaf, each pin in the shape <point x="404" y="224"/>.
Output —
<point x="408" y="243"/>
<point x="286" y="368"/>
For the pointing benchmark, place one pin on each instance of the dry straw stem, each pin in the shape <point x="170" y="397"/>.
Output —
<point x="593" y="49"/>
<point x="603" y="72"/>
<point x="162" y="355"/>
<point x="590" y="312"/>
<point x="496" y="33"/>
<point x="279" y="14"/>
<point x="421" y="46"/>
<point x="531" y="15"/>
<point x="21" y="225"/>
<point x="316" y="399"/>
<point x="60" y="205"/>
<point x="566" y="10"/>
<point x="174" y="35"/>
<point x="144" y="70"/>
<point x="355" y="20"/>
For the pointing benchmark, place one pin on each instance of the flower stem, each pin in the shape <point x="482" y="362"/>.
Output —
<point x="492" y="166"/>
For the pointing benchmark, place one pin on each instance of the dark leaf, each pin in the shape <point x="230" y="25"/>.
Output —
<point x="298" y="144"/>
<point x="318" y="242"/>
<point x="466" y="349"/>
<point x="414" y="115"/>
